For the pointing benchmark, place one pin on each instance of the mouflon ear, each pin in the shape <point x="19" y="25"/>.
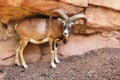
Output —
<point x="61" y="20"/>
<point x="75" y="22"/>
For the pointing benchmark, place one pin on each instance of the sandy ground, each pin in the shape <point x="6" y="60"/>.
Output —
<point x="100" y="64"/>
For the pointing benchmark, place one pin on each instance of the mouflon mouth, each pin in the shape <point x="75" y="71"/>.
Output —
<point x="65" y="39"/>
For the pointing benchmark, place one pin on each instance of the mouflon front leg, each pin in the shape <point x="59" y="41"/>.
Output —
<point x="52" y="51"/>
<point x="17" y="59"/>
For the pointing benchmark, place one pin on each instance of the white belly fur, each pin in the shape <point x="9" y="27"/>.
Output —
<point x="39" y="42"/>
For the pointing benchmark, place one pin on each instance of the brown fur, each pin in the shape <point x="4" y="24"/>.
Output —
<point x="37" y="29"/>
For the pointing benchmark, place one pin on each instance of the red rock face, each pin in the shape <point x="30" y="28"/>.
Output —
<point x="12" y="14"/>
<point x="113" y="4"/>
<point x="45" y="6"/>
<point x="78" y="45"/>
<point x="18" y="10"/>
<point x="15" y="3"/>
<point x="32" y="53"/>
<point x="99" y="17"/>
<point x="83" y="3"/>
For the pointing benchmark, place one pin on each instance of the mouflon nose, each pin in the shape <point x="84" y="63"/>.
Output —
<point x="65" y="34"/>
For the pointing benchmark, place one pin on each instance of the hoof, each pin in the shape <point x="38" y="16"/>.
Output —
<point x="57" y="61"/>
<point x="53" y="65"/>
<point x="25" y="66"/>
<point x="18" y="63"/>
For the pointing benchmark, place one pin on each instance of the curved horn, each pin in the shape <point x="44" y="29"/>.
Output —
<point x="78" y="16"/>
<point x="61" y="13"/>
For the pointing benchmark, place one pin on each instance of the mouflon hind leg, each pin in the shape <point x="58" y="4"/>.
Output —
<point x="22" y="46"/>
